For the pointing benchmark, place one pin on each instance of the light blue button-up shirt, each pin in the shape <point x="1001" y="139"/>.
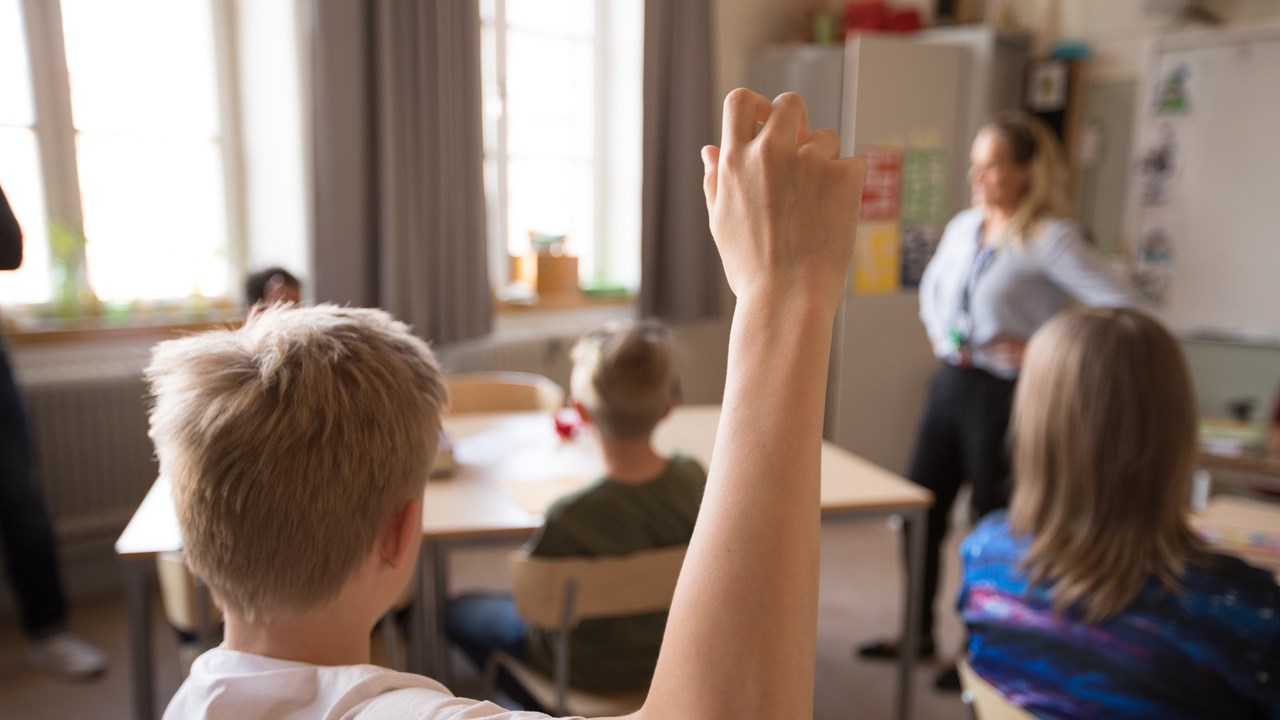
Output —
<point x="1018" y="291"/>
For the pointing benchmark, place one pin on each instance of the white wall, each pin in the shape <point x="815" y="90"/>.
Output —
<point x="1121" y="30"/>
<point x="740" y="28"/>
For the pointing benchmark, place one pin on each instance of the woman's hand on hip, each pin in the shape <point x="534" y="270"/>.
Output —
<point x="1007" y="350"/>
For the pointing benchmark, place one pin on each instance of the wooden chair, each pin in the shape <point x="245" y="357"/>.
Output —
<point x="187" y="606"/>
<point x="503" y="392"/>
<point x="558" y="593"/>
<point x="983" y="700"/>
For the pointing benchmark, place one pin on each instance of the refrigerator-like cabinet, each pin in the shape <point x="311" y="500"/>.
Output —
<point x="883" y="93"/>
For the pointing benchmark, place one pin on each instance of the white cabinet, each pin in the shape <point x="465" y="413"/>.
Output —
<point x="879" y="90"/>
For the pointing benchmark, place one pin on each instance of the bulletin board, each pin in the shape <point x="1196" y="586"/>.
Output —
<point x="1205" y="195"/>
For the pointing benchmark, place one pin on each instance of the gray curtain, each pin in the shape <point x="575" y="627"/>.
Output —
<point x="399" y="185"/>
<point x="681" y="276"/>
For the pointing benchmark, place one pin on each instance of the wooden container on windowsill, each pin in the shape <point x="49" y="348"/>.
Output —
<point x="547" y="274"/>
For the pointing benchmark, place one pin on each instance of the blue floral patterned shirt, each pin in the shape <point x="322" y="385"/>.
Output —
<point x="1211" y="650"/>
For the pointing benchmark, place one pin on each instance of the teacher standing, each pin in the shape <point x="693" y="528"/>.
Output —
<point x="1003" y="268"/>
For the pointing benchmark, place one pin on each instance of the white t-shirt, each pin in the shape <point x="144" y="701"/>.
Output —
<point x="241" y="686"/>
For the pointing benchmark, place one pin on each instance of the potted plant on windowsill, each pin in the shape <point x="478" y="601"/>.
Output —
<point x="73" y="298"/>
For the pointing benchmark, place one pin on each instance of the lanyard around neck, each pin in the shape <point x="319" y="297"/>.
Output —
<point x="962" y="330"/>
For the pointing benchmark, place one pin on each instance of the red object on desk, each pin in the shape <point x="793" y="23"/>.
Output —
<point x="568" y="423"/>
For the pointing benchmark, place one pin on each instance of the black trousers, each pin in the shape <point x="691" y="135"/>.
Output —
<point x="25" y="531"/>
<point x="962" y="437"/>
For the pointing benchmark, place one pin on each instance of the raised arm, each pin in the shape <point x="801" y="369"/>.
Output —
<point x="741" y="637"/>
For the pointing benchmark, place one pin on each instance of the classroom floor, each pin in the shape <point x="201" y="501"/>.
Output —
<point x="859" y="600"/>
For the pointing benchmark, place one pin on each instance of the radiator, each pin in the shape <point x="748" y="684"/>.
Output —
<point x="89" y="431"/>
<point x="92" y="454"/>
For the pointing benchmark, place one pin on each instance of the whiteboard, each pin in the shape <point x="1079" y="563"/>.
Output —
<point x="1206" y="185"/>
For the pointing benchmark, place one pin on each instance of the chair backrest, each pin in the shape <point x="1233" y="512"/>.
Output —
<point x="180" y="595"/>
<point x="986" y="702"/>
<point x="553" y="592"/>
<point x="503" y="392"/>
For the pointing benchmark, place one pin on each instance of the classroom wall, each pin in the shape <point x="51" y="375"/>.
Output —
<point x="741" y="27"/>
<point x="1224" y="372"/>
<point x="1120" y="33"/>
<point x="1120" y="30"/>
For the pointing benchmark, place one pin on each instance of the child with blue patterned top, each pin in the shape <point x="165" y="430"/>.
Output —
<point x="1093" y="597"/>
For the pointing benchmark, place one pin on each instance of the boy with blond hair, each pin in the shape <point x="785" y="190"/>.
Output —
<point x="623" y="384"/>
<point x="299" y="448"/>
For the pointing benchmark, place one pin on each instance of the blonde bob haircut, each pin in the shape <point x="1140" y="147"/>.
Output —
<point x="1032" y="145"/>
<point x="1104" y="432"/>
<point x="289" y="443"/>
<point x="624" y="375"/>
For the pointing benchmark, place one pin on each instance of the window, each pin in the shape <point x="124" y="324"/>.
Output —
<point x="116" y="158"/>
<point x="563" y="89"/>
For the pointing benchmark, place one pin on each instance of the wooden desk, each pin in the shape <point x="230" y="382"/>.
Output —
<point x="511" y="466"/>
<point x="1244" y="527"/>
<point x="1257" y="463"/>
<point x="152" y="530"/>
<point x="514" y="465"/>
<point x="1262" y="461"/>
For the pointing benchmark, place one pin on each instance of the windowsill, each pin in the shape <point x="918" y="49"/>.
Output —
<point x="563" y="301"/>
<point x="93" y="330"/>
<point x="552" y="316"/>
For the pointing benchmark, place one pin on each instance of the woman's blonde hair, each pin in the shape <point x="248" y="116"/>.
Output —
<point x="1104" y="431"/>
<point x="1032" y="145"/>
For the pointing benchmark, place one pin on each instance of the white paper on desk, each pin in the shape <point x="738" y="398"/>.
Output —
<point x="523" y="455"/>
<point x="494" y="446"/>
<point x="535" y="497"/>
<point x="536" y="476"/>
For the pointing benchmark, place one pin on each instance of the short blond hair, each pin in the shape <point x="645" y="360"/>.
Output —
<point x="623" y="373"/>
<point x="1104" y="431"/>
<point x="289" y="443"/>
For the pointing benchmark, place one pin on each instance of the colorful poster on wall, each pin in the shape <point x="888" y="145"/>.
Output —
<point x="876" y="258"/>
<point x="1154" y="256"/>
<point x="918" y="243"/>
<point x="924" y="186"/>
<point x="1173" y="93"/>
<point x="1158" y="166"/>
<point x="882" y="192"/>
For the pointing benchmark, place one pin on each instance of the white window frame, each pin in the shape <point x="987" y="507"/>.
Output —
<point x="603" y="249"/>
<point x="55" y="131"/>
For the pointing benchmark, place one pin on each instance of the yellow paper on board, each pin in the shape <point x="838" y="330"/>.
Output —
<point x="877" y="259"/>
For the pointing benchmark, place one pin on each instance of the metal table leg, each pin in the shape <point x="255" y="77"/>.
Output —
<point x="137" y="573"/>
<point x="439" y="645"/>
<point x="204" y="605"/>
<point x="911" y="619"/>
<point x="416" y="655"/>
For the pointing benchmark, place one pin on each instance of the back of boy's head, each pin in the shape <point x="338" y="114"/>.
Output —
<point x="289" y="443"/>
<point x="624" y="375"/>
